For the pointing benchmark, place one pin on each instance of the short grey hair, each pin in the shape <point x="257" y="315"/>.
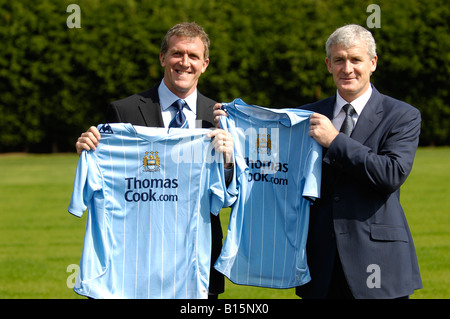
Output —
<point x="350" y="35"/>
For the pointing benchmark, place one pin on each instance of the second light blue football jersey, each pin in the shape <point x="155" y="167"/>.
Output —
<point x="278" y="172"/>
<point x="149" y="195"/>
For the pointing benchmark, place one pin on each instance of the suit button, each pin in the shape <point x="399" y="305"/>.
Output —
<point x="337" y="198"/>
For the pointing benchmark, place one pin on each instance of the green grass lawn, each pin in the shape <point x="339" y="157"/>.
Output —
<point x="39" y="239"/>
<point x="426" y="200"/>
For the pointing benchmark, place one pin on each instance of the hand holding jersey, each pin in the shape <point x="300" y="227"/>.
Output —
<point x="277" y="171"/>
<point x="321" y="128"/>
<point x="184" y="56"/>
<point x="149" y="194"/>
<point x="221" y="140"/>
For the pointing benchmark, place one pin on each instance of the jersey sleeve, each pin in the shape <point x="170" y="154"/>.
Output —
<point x="313" y="172"/>
<point x="222" y="196"/>
<point x="86" y="182"/>
<point x="239" y="187"/>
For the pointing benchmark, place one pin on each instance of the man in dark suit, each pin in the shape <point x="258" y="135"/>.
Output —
<point x="359" y="242"/>
<point x="184" y="56"/>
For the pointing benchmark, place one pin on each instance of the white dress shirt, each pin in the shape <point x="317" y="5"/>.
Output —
<point x="358" y="104"/>
<point x="166" y="99"/>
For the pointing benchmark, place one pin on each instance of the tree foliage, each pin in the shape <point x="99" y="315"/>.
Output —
<point x="55" y="81"/>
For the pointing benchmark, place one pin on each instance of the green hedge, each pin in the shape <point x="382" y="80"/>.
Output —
<point x="56" y="81"/>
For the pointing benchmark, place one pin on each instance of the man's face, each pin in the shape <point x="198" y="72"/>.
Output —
<point x="184" y="63"/>
<point x="351" y="69"/>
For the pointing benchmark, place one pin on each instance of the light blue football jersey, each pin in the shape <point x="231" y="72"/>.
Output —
<point x="149" y="195"/>
<point x="278" y="172"/>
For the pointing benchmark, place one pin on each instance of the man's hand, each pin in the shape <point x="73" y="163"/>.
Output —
<point x="322" y="130"/>
<point x="222" y="142"/>
<point x="218" y="112"/>
<point x="88" y="140"/>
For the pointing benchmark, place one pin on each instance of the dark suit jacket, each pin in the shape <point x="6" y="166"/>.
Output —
<point x="359" y="214"/>
<point x="144" y="109"/>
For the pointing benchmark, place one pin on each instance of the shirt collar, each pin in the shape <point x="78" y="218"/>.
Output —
<point x="167" y="97"/>
<point x="358" y="104"/>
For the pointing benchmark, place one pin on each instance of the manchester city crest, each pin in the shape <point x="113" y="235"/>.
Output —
<point x="264" y="144"/>
<point x="151" y="162"/>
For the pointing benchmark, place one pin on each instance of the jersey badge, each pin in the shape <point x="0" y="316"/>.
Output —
<point x="151" y="162"/>
<point x="263" y="144"/>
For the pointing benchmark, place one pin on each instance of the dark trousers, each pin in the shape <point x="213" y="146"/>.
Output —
<point x="339" y="288"/>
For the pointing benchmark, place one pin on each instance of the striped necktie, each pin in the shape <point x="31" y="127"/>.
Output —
<point x="347" y="126"/>
<point x="179" y="120"/>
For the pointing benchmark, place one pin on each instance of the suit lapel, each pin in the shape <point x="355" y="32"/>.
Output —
<point x="369" y="118"/>
<point x="150" y="108"/>
<point x="205" y="111"/>
<point x="327" y="107"/>
<point x="324" y="107"/>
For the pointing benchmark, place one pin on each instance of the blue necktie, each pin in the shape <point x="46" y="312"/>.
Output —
<point x="347" y="126"/>
<point x="179" y="120"/>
